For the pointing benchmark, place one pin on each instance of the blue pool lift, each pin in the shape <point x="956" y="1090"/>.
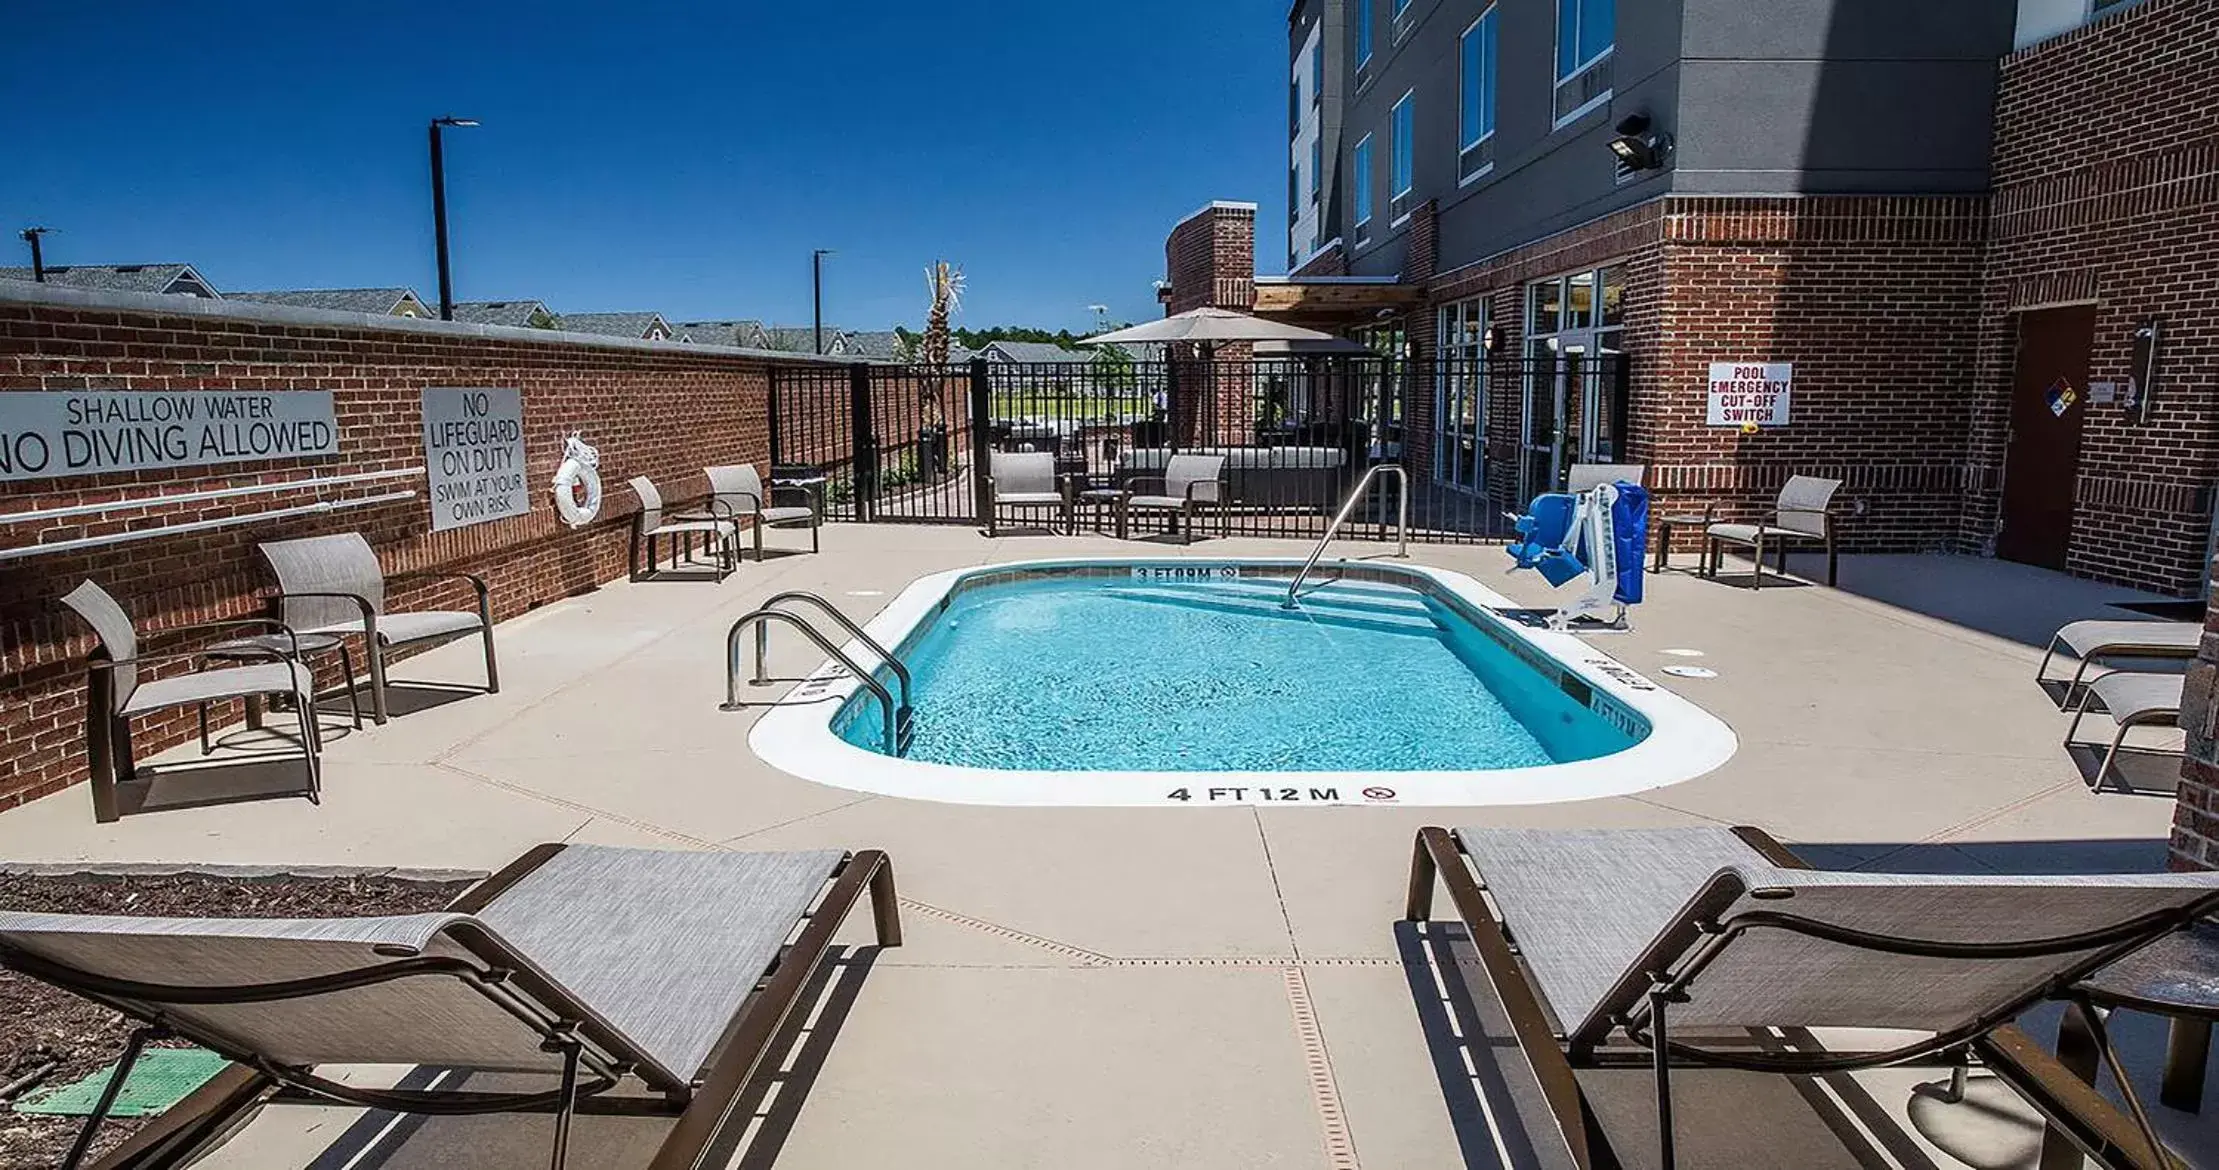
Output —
<point x="1601" y="534"/>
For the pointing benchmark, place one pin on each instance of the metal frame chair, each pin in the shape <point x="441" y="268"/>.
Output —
<point x="1189" y="483"/>
<point x="712" y="518"/>
<point x="2131" y="699"/>
<point x="334" y="585"/>
<point x="1024" y="479"/>
<point x="740" y="489"/>
<point x="114" y="691"/>
<point x="1803" y="511"/>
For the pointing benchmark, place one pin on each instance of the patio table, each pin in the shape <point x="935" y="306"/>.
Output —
<point x="1665" y="524"/>
<point x="265" y="647"/>
<point x="2177" y="977"/>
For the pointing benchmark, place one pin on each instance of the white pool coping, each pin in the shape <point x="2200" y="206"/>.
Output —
<point x="1684" y="741"/>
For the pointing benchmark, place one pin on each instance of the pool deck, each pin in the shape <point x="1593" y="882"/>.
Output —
<point x="1188" y="987"/>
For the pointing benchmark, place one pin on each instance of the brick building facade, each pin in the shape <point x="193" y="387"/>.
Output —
<point x="656" y="409"/>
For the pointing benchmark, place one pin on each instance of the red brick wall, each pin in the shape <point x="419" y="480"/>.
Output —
<point x="1210" y="259"/>
<point x="2196" y="817"/>
<point x="662" y="412"/>
<point x="2107" y="191"/>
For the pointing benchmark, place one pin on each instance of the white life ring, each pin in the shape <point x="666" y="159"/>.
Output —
<point x="579" y="475"/>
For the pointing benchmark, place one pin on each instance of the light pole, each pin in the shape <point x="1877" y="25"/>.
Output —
<point x="439" y="210"/>
<point x="38" y="259"/>
<point x="816" y="295"/>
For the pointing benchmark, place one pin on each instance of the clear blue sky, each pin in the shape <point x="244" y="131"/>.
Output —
<point x="678" y="158"/>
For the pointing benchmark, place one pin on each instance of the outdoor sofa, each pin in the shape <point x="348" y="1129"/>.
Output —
<point x="1615" y="961"/>
<point x="1281" y="478"/>
<point x="630" y="982"/>
<point x="333" y="585"/>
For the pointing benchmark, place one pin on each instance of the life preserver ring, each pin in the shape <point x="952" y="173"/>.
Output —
<point x="577" y="483"/>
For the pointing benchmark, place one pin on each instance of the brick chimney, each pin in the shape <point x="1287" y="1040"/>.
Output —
<point x="1210" y="259"/>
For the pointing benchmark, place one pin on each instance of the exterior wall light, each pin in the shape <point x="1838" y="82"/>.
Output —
<point x="1636" y="147"/>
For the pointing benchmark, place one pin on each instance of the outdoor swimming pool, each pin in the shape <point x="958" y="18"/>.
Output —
<point x="1187" y="682"/>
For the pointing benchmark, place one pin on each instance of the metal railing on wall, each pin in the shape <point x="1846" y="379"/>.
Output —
<point x="79" y="544"/>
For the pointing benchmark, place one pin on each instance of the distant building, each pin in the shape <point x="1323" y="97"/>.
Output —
<point x="644" y="326"/>
<point x="515" y="314"/>
<point x="378" y="302"/>
<point x="741" y="334"/>
<point x="872" y="344"/>
<point x="1034" y="353"/>
<point x="803" y="339"/>
<point x="171" y="279"/>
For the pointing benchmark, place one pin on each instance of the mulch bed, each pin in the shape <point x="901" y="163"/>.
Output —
<point x="41" y="1026"/>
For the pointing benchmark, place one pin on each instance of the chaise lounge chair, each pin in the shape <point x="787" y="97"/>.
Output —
<point x="2131" y="699"/>
<point x="626" y="981"/>
<point x="2092" y="642"/>
<point x="1023" y="479"/>
<point x="333" y="585"/>
<point x="1803" y="512"/>
<point x="1665" y="950"/>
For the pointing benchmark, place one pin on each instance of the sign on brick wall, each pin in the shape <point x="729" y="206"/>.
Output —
<point x="474" y="455"/>
<point x="1750" y="393"/>
<point x="44" y="435"/>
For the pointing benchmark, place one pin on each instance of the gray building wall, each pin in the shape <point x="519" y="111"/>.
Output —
<point x="1783" y="97"/>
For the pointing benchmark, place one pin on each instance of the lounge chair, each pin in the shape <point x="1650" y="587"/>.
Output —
<point x="1023" y="479"/>
<point x="599" y="971"/>
<point x="1661" y="950"/>
<point x="1803" y="512"/>
<point x="2092" y="642"/>
<point x="114" y="691"/>
<point x="2131" y="699"/>
<point x="333" y="585"/>
<point x="1588" y="476"/>
<point x="736" y="491"/>
<point x="1188" y="484"/>
<point x="713" y="520"/>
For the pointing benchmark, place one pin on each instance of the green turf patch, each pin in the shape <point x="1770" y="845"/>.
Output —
<point x="161" y="1078"/>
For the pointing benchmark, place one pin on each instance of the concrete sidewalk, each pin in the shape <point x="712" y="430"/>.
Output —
<point x="1144" y="987"/>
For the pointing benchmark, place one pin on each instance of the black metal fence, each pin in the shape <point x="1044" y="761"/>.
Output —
<point x="909" y="443"/>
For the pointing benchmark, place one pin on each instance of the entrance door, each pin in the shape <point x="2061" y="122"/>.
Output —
<point x="1543" y="455"/>
<point x="2049" y="402"/>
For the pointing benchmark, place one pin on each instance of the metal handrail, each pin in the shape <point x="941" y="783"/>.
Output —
<point x="1348" y="506"/>
<point x="897" y="718"/>
<point x="762" y="639"/>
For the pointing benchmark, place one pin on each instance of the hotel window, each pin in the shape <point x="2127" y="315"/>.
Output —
<point x="1359" y="177"/>
<point x="1405" y="150"/>
<point x="1460" y="396"/>
<point x="1586" y="30"/>
<point x="1575" y="405"/>
<point x="1475" y="152"/>
<point x="1317" y="72"/>
<point x="1317" y="167"/>
<point x="1363" y="32"/>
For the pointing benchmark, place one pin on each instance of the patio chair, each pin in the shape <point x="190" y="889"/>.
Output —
<point x="2130" y="699"/>
<point x="114" y="692"/>
<point x="596" y="971"/>
<point x="1662" y="950"/>
<point x="739" y="491"/>
<point x="1188" y="483"/>
<point x="714" y="520"/>
<point x="1804" y="512"/>
<point x="1023" y="479"/>
<point x="334" y="585"/>
<point x="2094" y="641"/>
<point x="1589" y="476"/>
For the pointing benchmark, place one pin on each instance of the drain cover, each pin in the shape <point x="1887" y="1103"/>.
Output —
<point x="1690" y="672"/>
<point x="160" y="1079"/>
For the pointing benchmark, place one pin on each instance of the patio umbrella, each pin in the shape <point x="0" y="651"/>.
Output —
<point x="1209" y="325"/>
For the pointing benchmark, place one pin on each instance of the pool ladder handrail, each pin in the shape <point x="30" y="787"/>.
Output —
<point x="1348" y="507"/>
<point x="897" y="714"/>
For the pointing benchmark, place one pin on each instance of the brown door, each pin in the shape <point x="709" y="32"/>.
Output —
<point x="2049" y="400"/>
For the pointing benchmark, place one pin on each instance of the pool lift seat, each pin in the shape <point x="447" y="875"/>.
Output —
<point x="1600" y="533"/>
<point x="899" y="721"/>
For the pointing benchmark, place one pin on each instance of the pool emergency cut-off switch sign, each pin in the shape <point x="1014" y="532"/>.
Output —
<point x="1751" y="394"/>
<point x="474" y="455"/>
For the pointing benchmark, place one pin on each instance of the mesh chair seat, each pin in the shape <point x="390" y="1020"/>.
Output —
<point x="415" y="626"/>
<point x="1158" y="501"/>
<point x="1748" y="533"/>
<point x="262" y="678"/>
<point x="1028" y="497"/>
<point x="2109" y="637"/>
<point x="788" y="515"/>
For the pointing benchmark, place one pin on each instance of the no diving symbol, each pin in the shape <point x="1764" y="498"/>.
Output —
<point x="1379" y="794"/>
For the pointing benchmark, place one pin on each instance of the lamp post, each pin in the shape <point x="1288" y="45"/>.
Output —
<point x="38" y="259"/>
<point x="816" y="296"/>
<point x="439" y="210"/>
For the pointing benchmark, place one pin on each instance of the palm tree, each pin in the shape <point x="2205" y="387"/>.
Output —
<point x="946" y="282"/>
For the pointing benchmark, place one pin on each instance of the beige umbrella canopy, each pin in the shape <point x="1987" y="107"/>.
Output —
<point x="1209" y="325"/>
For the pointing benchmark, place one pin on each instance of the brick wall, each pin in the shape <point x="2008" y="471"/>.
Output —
<point x="1210" y="259"/>
<point x="2195" y="842"/>
<point x="2107" y="191"/>
<point x="661" y="410"/>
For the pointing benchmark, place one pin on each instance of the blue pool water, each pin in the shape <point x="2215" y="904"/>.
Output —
<point x="1108" y="674"/>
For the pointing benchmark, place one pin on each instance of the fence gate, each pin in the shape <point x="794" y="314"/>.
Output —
<point x="880" y="442"/>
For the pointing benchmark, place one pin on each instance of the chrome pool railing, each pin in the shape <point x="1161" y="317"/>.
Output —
<point x="896" y="715"/>
<point x="1348" y="506"/>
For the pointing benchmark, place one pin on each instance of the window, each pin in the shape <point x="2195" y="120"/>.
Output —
<point x="1317" y="168"/>
<point x="1585" y="32"/>
<point x="1363" y="32"/>
<point x="1317" y="72"/>
<point x="1403" y="147"/>
<point x="1476" y="104"/>
<point x="1360" y="178"/>
<point x="1575" y="385"/>
<point x="1400" y="5"/>
<point x="1460" y="396"/>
